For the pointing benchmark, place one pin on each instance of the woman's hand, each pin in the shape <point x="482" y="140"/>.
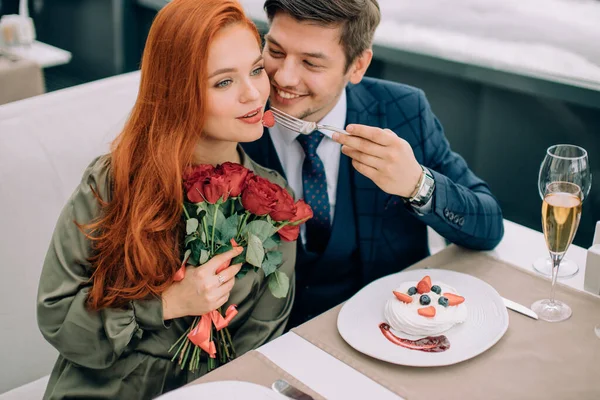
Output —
<point x="202" y="289"/>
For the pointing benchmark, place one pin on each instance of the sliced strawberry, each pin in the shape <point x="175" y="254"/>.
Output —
<point x="403" y="297"/>
<point x="427" y="279"/>
<point x="424" y="286"/>
<point x="454" y="299"/>
<point x="428" y="312"/>
<point x="268" y="119"/>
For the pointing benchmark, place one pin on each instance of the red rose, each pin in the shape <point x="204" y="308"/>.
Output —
<point x="215" y="187"/>
<point x="197" y="174"/>
<point x="303" y="212"/>
<point x="194" y="194"/>
<point x="236" y="175"/>
<point x="289" y="233"/>
<point x="194" y="179"/>
<point x="285" y="209"/>
<point x="259" y="195"/>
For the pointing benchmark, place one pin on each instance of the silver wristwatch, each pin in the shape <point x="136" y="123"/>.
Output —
<point x="425" y="189"/>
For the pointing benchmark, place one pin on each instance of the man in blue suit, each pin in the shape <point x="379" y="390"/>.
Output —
<point x="375" y="191"/>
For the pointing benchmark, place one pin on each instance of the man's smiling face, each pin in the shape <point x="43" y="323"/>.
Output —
<point x="306" y="65"/>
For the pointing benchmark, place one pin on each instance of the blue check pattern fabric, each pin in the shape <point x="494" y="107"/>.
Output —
<point x="314" y="183"/>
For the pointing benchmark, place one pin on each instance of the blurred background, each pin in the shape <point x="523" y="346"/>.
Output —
<point x="506" y="78"/>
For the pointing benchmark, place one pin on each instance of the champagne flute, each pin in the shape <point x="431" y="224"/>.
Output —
<point x="543" y="265"/>
<point x="565" y="180"/>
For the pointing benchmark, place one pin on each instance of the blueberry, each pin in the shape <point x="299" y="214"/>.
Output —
<point x="443" y="301"/>
<point x="436" y="289"/>
<point x="412" y="290"/>
<point x="424" y="300"/>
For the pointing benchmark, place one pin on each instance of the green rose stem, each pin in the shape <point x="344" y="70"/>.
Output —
<point x="184" y="354"/>
<point x="281" y="226"/>
<point x="223" y="338"/>
<point x="243" y="223"/>
<point x="181" y="343"/>
<point x="194" y="363"/>
<point x="185" y="211"/>
<point x="205" y="227"/>
<point x="212" y="240"/>
<point x="230" y="343"/>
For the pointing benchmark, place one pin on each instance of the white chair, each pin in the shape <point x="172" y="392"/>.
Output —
<point x="45" y="144"/>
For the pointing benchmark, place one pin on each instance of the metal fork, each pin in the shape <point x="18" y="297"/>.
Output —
<point x="301" y="126"/>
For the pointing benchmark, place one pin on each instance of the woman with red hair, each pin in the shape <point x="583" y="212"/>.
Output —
<point x="107" y="298"/>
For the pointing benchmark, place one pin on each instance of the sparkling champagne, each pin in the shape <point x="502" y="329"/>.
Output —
<point x="560" y="218"/>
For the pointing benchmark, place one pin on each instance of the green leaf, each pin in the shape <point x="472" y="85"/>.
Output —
<point x="261" y="229"/>
<point x="272" y="242"/>
<point x="193" y="260"/>
<point x="239" y="258"/>
<point x="255" y="253"/>
<point x="223" y="249"/>
<point x="189" y="239"/>
<point x="210" y="219"/>
<point x="202" y="207"/>
<point x="279" y="284"/>
<point x="272" y="261"/>
<point x="187" y="253"/>
<point x="196" y="248"/>
<point x="204" y="256"/>
<point x="218" y="237"/>
<point x="191" y="225"/>
<point x="229" y="228"/>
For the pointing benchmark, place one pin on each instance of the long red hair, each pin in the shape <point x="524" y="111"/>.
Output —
<point x="136" y="239"/>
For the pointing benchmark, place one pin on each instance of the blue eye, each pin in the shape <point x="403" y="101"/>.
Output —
<point x="223" y="83"/>
<point x="257" y="71"/>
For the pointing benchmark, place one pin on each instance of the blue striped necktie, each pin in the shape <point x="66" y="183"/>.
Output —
<point x="314" y="182"/>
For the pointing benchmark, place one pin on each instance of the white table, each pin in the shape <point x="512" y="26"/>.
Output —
<point x="42" y="54"/>
<point x="335" y="380"/>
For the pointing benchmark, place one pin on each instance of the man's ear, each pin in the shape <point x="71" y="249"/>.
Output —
<point x="360" y="65"/>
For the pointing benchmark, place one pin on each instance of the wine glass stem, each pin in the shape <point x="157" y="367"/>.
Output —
<point x="555" y="264"/>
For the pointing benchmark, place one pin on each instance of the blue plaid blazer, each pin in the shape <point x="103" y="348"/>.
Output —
<point x="391" y="235"/>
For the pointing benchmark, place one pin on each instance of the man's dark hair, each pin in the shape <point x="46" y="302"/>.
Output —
<point x="357" y="18"/>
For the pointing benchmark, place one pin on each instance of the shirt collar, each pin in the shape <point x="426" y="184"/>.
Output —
<point x="336" y="117"/>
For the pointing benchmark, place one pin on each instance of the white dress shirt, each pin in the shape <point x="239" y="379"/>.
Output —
<point x="292" y="155"/>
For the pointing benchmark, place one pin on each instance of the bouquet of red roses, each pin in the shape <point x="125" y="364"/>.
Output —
<point x="229" y="206"/>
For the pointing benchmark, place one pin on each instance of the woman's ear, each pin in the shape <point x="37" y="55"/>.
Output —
<point x="360" y="65"/>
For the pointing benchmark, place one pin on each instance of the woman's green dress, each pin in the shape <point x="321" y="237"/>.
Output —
<point x="123" y="353"/>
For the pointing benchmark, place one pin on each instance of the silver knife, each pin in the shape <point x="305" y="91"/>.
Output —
<point x="519" y="308"/>
<point x="284" y="388"/>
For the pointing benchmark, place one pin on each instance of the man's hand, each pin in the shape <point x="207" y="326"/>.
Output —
<point x="383" y="157"/>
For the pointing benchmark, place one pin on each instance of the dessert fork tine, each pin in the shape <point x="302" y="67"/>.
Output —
<point x="301" y="126"/>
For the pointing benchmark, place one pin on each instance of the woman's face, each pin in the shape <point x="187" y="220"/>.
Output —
<point x="238" y="87"/>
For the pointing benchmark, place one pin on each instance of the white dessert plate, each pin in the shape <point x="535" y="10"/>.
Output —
<point x="487" y="321"/>
<point x="223" y="390"/>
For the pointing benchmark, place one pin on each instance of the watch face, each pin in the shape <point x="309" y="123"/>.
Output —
<point x="426" y="190"/>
